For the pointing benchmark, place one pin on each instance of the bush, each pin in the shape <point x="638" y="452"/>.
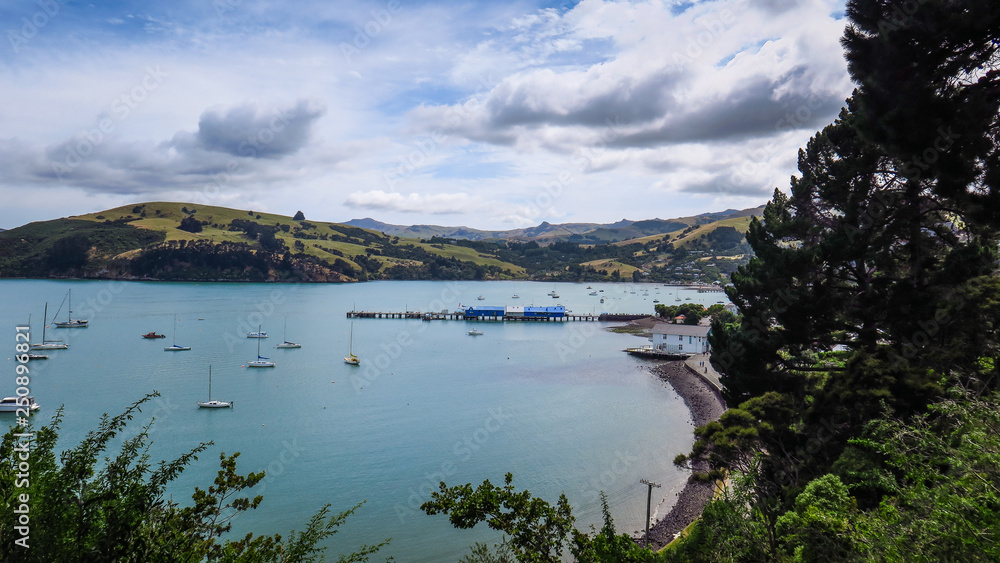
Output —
<point x="190" y="224"/>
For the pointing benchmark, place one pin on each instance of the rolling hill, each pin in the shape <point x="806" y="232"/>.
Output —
<point x="545" y="232"/>
<point x="183" y="241"/>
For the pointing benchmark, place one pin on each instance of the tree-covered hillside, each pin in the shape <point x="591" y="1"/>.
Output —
<point x="177" y="241"/>
<point x="863" y="372"/>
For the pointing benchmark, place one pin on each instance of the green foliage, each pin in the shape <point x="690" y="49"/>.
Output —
<point x="481" y="553"/>
<point x="945" y="468"/>
<point x="69" y="246"/>
<point x="733" y="527"/>
<point x="819" y="528"/>
<point x="607" y="546"/>
<point x="190" y="224"/>
<point x="693" y="312"/>
<point x="68" y="253"/>
<point x="886" y="247"/>
<point x="83" y="508"/>
<point x="536" y="531"/>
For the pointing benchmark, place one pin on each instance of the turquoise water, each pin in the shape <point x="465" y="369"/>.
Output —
<point x="557" y="404"/>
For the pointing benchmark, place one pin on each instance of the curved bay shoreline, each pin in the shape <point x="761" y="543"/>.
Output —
<point x="705" y="406"/>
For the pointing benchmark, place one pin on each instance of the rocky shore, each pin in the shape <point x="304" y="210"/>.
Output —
<point x="705" y="406"/>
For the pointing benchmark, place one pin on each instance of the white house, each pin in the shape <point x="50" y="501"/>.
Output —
<point x="681" y="339"/>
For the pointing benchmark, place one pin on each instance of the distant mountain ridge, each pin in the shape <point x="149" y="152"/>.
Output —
<point x="548" y="232"/>
<point x="180" y="241"/>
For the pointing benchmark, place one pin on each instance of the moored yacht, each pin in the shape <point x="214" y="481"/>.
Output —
<point x="11" y="404"/>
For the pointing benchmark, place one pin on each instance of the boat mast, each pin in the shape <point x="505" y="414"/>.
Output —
<point x="210" y="383"/>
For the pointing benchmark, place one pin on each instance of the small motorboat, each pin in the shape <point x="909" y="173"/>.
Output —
<point x="475" y="332"/>
<point x="12" y="404"/>
<point x="153" y="335"/>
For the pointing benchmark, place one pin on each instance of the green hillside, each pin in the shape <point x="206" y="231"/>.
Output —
<point x="184" y="241"/>
<point x="147" y="241"/>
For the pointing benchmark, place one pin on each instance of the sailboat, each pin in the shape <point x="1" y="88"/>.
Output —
<point x="174" y="347"/>
<point x="676" y="298"/>
<point x="48" y="344"/>
<point x="70" y="323"/>
<point x="210" y="404"/>
<point x="286" y="343"/>
<point x="261" y="361"/>
<point x="350" y="358"/>
<point x="30" y="356"/>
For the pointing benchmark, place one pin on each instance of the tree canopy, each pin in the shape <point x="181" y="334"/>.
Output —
<point x="82" y="506"/>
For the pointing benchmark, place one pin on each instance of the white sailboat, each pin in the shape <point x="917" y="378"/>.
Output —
<point x="286" y="343"/>
<point x="210" y="404"/>
<point x="69" y="322"/>
<point x="261" y="361"/>
<point x="350" y="358"/>
<point x="48" y="344"/>
<point x="175" y="347"/>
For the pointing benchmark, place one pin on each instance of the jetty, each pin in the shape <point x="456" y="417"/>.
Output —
<point x="651" y="353"/>
<point x="498" y="314"/>
<point x="711" y="289"/>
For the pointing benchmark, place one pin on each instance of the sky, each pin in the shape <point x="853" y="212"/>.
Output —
<point x="492" y="115"/>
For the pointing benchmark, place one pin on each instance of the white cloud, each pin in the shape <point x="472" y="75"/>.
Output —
<point x="628" y="98"/>
<point x="436" y="204"/>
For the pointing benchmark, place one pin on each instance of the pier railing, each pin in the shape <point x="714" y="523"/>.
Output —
<point x="461" y="316"/>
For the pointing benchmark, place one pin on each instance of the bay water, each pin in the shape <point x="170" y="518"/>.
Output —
<point x="559" y="405"/>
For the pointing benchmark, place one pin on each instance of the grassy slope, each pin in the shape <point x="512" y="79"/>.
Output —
<point x="740" y="223"/>
<point x="170" y="215"/>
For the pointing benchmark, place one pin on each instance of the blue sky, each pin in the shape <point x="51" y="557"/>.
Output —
<point x="485" y="114"/>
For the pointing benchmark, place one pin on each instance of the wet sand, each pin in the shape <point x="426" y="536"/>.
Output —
<point x="705" y="406"/>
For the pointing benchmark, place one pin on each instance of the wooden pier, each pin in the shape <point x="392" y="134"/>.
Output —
<point x="652" y="353"/>
<point x="711" y="289"/>
<point x="460" y="316"/>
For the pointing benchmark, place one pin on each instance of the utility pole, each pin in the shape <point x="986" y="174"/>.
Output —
<point x="649" y="497"/>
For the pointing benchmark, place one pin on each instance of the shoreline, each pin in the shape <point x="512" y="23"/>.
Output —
<point x="705" y="406"/>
